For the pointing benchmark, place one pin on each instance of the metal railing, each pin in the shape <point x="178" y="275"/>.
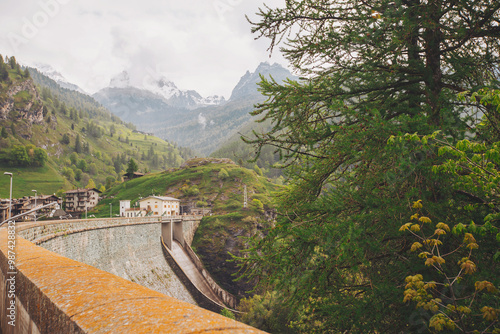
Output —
<point x="28" y="212"/>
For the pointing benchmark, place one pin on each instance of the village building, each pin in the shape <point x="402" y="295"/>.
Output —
<point x="130" y="212"/>
<point x="151" y="206"/>
<point x="135" y="175"/>
<point x="160" y="206"/>
<point x="27" y="203"/>
<point x="79" y="200"/>
<point x="39" y="202"/>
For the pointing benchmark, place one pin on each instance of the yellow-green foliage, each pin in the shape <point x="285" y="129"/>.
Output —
<point x="472" y="311"/>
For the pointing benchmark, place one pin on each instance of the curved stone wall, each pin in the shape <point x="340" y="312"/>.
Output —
<point x="132" y="252"/>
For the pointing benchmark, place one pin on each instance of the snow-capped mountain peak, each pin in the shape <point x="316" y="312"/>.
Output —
<point x="57" y="77"/>
<point x="213" y="100"/>
<point x="161" y="86"/>
<point x="121" y="80"/>
<point x="166" y="90"/>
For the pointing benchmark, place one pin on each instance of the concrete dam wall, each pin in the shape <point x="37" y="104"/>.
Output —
<point x="126" y="247"/>
<point x="131" y="252"/>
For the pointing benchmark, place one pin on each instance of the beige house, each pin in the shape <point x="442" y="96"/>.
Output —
<point x="160" y="206"/>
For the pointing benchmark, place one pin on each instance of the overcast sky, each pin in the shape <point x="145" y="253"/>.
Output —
<point x="205" y="45"/>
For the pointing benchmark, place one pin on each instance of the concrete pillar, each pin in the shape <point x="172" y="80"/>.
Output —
<point x="166" y="233"/>
<point x="178" y="233"/>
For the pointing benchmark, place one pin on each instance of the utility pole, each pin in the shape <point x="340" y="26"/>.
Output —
<point x="10" y="200"/>
<point x="245" y="197"/>
<point x="35" y="204"/>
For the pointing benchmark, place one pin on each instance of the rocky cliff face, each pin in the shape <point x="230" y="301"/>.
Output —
<point x="216" y="256"/>
<point x="248" y="84"/>
<point x="21" y="101"/>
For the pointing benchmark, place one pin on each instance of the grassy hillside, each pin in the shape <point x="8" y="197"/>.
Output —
<point x="26" y="179"/>
<point x="236" y="149"/>
<point x="197" y="181"/>
<point x="203" y="182"/>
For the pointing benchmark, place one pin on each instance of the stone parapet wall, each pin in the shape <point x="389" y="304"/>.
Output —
<point x="55" y="294"/>
<point x="45" y="230"/>
<point x="105" y="243"/>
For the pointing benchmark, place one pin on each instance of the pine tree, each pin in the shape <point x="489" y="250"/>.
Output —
<point x="65" y="139"/>
<point x="223" y="174"/>
<point x="131" y="168"/>
<point x="13" y="129"/>
<point x="12" y="63"/>
<point x="4" y="133"/>
<point x="4" y="74"/>
<point x="78" y="144"/>
<point x="371" y="70"/>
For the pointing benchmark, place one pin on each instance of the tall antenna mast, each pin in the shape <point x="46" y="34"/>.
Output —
<point x="245" y="197"/>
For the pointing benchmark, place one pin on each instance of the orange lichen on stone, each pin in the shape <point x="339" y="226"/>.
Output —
<point x="100" y="302"/>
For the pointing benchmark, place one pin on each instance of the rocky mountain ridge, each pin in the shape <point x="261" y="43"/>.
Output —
<point x="247" y="86"/>
<point x="53" y="74"/>
<point x="81" y="140"/>
<point x="180" y="116"/>
<point x="161" y="87"/>
<point x="21" y="101"/>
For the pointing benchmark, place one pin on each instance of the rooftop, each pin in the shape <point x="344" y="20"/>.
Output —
<point x="81" y="190"/>
<point x="161" y="198"/>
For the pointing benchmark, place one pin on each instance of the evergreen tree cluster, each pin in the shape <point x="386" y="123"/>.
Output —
<point x="25" y="156"/>
<point x="4" y="73"/>
<point x="10" y="64"/>
<point x="82" y="105"/>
